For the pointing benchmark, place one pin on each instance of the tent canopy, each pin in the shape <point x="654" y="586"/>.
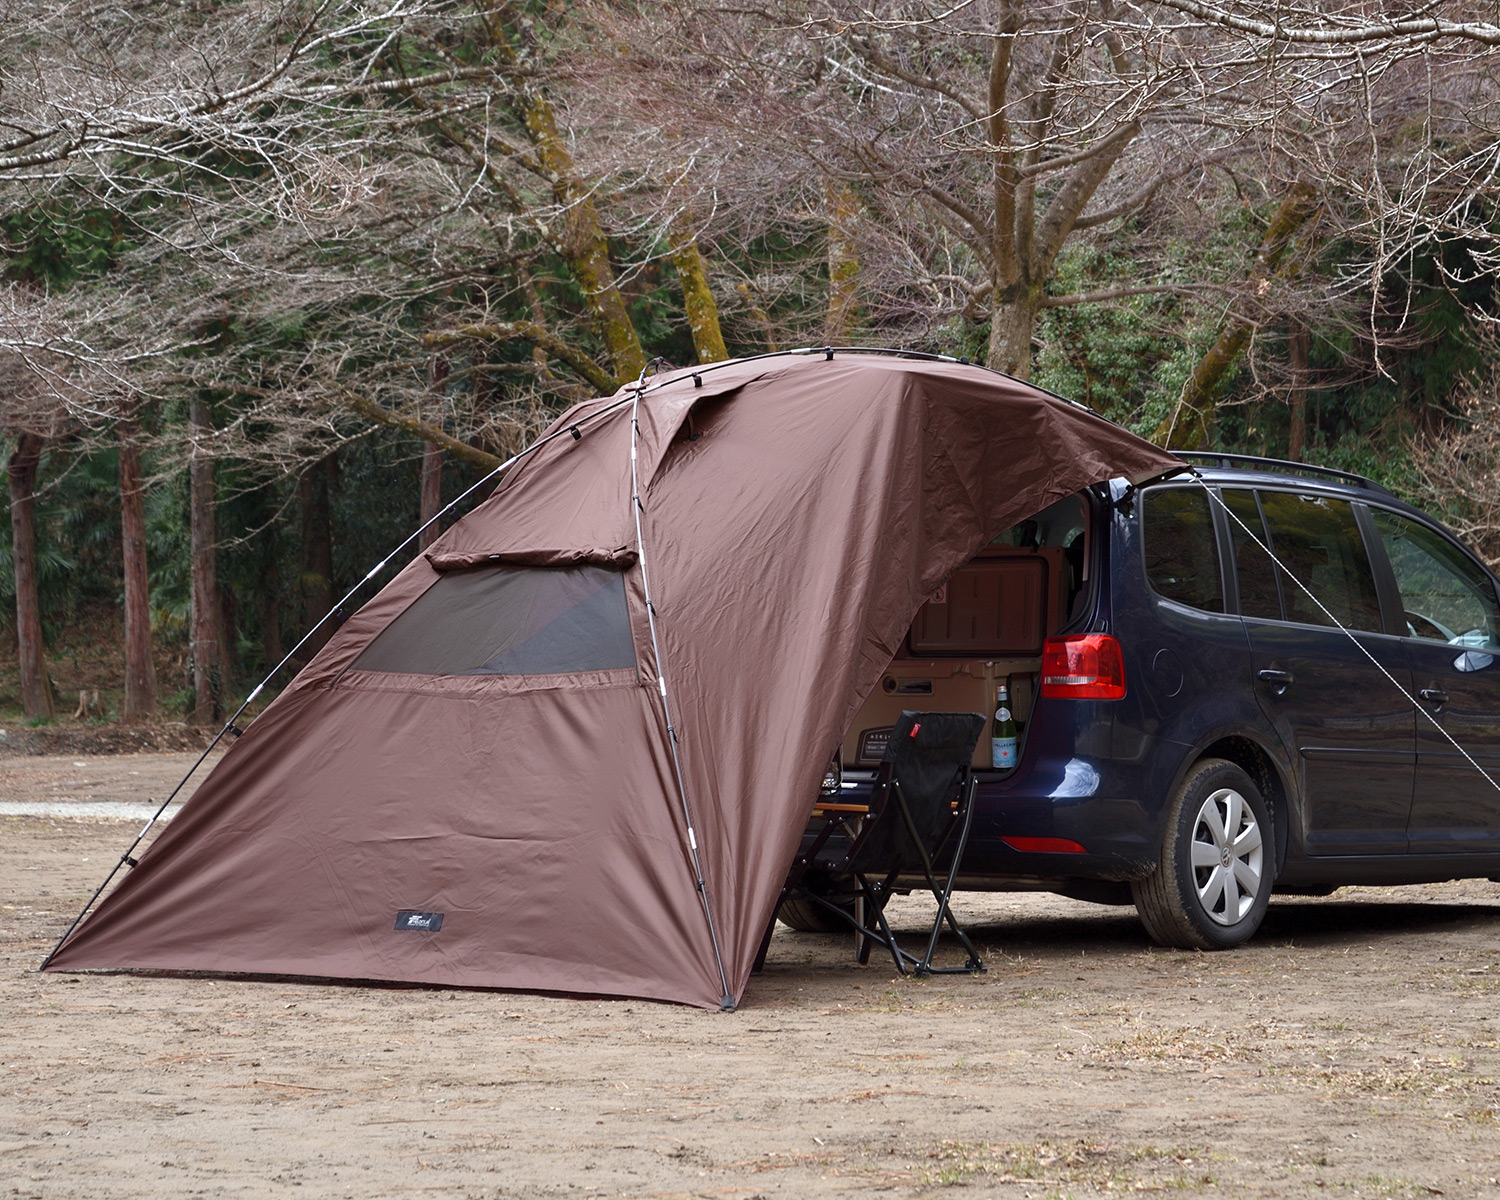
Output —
<point x="472" y="782"/>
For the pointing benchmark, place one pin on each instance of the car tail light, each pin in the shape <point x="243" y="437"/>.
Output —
<point x="1086" y="667"/>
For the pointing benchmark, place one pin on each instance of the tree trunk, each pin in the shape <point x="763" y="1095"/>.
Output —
<point x="432" y="460"/>
<point x="140" y="671"/>
<point x="581" y="237"/>
<point x="316" y="575"/>
<point x="759" y="315"/>
<point x="1188" y="425"/>
<point x="205" y="640"/>
<point x="1296" y="438"/>
<point x="36" y="687"/>
<point x="842" y="206"/>
<point x="432" y="496"/>
<point x="270" y="612"/>
<point x="1011" y="325"/>
<point x="697" y="297"/>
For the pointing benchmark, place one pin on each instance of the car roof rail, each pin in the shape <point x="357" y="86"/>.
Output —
<point x="1279" y="466"/>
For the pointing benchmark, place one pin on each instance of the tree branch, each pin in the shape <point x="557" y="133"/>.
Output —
<point x="1372" y="31"/>
<point x="529" y="331"/>
<point x="428" y="433"/>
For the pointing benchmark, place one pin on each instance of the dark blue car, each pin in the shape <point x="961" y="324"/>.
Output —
<point x="1264" y="676"/>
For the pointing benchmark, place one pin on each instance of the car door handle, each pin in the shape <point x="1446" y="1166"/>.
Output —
<point x="1434" y="696"/>
<point x="1279" y="680"/>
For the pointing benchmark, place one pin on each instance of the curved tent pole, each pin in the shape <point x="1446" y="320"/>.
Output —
<point x="828" y="352"/>
<point x="128" y="858"/>
<point x="726" y="1000"/>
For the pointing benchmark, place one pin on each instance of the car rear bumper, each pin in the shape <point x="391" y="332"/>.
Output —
<point x="1054" y="817"/>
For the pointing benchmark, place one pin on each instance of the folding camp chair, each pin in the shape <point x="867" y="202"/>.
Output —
<point x="923" y="802"/>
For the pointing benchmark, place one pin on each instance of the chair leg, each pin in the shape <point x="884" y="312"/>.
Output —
<point x="765" y="942"/>
<point x="876" y="896"/>
<point x="862" y="939"/>
<point x="883" y="934"/>
<point x="923" y="965"/>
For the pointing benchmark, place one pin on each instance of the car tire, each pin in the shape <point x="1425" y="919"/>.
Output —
<point x="808" y="916"/>
<point x="1213" y="882"/>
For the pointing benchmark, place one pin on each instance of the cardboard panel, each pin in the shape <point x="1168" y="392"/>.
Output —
<point x="937" y="685"/>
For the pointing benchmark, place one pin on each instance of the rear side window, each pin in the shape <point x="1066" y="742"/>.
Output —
<point x="510" y="621"/>
<point x="1182" y="559"/>
<point x="1253" y="568"/>
<point x="1317" y="540"/>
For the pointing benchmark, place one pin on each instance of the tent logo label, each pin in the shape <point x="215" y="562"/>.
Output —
<point x="422" y="922"/>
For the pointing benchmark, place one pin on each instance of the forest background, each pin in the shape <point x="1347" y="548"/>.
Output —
<point x="281" y="278"/>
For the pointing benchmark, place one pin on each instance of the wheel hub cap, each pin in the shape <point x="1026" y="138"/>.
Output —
<point x="1228" y="857"/>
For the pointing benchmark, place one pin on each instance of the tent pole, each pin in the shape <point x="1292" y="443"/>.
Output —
<point x="128" y="858"/>
<point x="726" y="1002"/>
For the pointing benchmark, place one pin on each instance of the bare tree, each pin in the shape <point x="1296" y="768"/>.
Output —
<point x="209" y="652"/>
<point x="21" y="470"/>
<point x="1394" y="114"/>
<point x="979" y="141"/>
<point x="140" y="670"/>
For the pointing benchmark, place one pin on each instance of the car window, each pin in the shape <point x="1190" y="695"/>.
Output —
<point x="1059" y="524"/>
<point x="1182" y="560"/>
<point x="1253" y="567"/>
<point x="1317" y="539"/>
<point x="1445" y="594"/>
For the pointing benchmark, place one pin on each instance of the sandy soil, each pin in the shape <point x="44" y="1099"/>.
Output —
<point x="1350" y="1050"/>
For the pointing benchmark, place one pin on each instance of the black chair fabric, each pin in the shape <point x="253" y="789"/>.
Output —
<point x="927" y="754"/>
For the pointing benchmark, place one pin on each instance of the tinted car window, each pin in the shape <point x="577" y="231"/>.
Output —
<point x="1317" y="540"/>
<point x="1182" y="561"/>
<point x="1445" y="595"/>
<point x="1253" y="567"/>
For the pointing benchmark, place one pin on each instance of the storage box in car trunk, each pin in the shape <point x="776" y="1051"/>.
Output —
<point x="988" y="623"/>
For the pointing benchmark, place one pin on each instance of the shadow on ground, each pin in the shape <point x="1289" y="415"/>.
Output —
<point x="1062" y="927"/>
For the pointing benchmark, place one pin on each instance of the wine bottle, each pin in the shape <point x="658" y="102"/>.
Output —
<point x="1003" y="732"/>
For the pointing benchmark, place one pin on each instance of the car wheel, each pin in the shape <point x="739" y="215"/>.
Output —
<point x="1211" y="887"/>
<point x="806" y="915"/>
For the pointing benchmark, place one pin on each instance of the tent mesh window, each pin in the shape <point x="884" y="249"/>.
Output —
<point x="510" y="621"/>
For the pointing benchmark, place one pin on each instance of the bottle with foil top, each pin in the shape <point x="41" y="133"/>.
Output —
<point x="1003" y="731"/>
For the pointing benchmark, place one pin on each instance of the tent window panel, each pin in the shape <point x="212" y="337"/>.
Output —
<point x="510" y="621"/>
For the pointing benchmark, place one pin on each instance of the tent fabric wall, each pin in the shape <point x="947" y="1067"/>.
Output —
<point x="797" y="510"/>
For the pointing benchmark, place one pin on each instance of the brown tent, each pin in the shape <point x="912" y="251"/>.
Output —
<point x="474" y="784"/>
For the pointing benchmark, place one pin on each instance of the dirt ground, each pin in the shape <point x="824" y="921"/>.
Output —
<point x="1350" y="1050"/>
